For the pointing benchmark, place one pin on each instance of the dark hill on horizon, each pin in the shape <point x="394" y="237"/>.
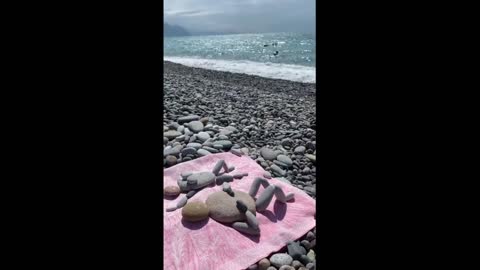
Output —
<point x="174" y="30"/>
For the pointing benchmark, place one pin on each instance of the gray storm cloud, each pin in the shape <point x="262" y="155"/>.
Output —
<point x="242" y="16"/>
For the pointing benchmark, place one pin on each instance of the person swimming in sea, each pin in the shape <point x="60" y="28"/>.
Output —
<point x="275" y="53"/>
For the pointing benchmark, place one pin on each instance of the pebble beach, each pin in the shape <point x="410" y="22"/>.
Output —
<point x="272" y="121"/>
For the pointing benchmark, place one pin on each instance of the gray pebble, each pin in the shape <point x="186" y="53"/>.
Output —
<point x="236" y="152"/>
<point x="280" y="259"/>
<point x="277" y="170"/>
<point x="170" y="209"/>
<point x="191" y="193"/>
<point x="224" y="178"/>
<point x="299" y="150"/>
<point x="194" y="145"/>
<point x="296" y="264"/>
<point x="203" y="136"/>
<point x="181" y="203"/>
<point x="267" y="175"/>
<point x="195" y="126"/>
<point x="203" y="152"/>
<point x="171" y="134"/>
<point x="285" y="159"/>
<point x="187" y="119"/>
<point x="189" y="151"/>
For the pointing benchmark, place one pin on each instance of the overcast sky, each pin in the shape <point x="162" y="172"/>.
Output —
<point x="244" y="16"/>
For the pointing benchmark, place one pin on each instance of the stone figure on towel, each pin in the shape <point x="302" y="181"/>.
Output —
<point x="226" y="206"/>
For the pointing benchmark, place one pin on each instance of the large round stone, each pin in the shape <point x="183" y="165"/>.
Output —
<point x="223" y="207"/>
<point x="195" y="211"/>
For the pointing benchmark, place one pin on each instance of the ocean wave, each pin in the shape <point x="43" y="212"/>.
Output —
<point x="289" y="72"/>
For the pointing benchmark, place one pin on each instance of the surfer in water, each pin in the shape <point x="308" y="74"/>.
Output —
<point x="275" y="53"/>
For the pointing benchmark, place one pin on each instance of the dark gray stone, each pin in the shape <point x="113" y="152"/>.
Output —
<point x="189" y="151"/>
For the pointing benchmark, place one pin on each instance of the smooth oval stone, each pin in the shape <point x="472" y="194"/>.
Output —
<point x="236" y="152"/>
<point x="189" y="151"/>
<point x="203" y="152"/>
<point x="311" y="157"/>
<point x="296" y="250"/>
<point x="305" y="244"/>
<point x="171" y="134"/>
<point x="171" y="191"/>
<point x="223" y="207"/>
<point x="171" y="160"/>
<point x="224" y="143"/>
<point x="310" y="236"/>
<point x="268" y="153"/>
<point x="165" y="140"/>
<point x="267" y="175"/>
<point x="203" y="136"/>
<point x="195" y="126"/>
<point x="187" y="119"/>
<point x="280" y="259"/>
<point x="286" y="267"/>
<point x="194" y="145"/>
<point x="285" y="159"/>
<point x="263" y="264"/>
<point x="195" y="211"/>
<point x="172" y="151"/>
<point x="299" y="150"/>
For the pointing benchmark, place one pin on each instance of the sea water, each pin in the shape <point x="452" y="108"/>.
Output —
<point x="288" y="56"/>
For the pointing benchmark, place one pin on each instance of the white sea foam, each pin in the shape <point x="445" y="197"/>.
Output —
<point x="269" y="70"/>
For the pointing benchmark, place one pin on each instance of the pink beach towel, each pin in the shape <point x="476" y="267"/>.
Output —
<point x="210" y="245"/>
